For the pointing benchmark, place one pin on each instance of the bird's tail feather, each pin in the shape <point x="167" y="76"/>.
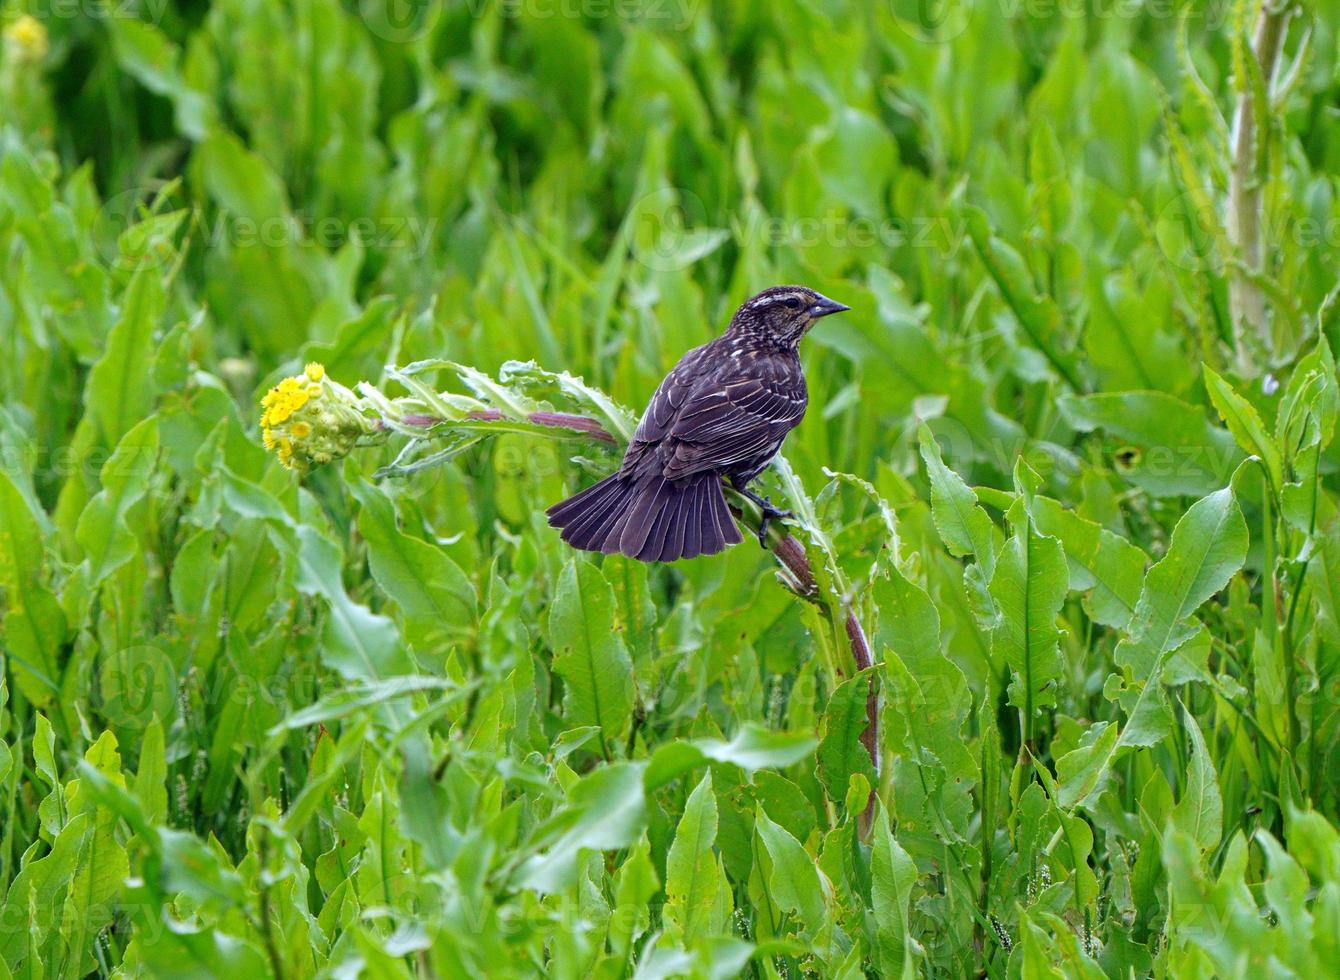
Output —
<point x="648" y="518"/>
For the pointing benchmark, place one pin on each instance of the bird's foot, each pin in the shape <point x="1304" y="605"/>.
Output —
<point x="770" y="513"/>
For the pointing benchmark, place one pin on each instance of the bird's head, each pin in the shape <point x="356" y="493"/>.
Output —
<point x="781" y="315"/>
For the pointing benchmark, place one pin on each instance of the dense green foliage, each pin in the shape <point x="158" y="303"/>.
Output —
<point x="1069" y="460"/>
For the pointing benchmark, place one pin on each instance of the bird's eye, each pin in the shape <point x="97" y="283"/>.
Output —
<point x="791" y="303"/>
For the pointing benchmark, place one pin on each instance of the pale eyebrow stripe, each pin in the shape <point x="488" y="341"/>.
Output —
<point x="758" y="301"/>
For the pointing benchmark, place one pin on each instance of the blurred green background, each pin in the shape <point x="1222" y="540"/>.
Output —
<point x="1028" y="204"/>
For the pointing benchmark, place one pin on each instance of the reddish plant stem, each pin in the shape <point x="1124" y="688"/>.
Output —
<point x="787" y="549"/>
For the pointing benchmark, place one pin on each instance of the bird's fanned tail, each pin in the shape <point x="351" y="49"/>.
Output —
<point x="648" y="517"/>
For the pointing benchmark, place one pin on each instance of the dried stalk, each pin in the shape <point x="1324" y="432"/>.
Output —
<point x="1246" y="299"/>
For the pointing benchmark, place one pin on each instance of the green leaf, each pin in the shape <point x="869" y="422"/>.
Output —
<point x="1128" y="336"/>
<point x="151" y="776"/>
<point x="34" y="624"/>
<point x="795" y="882"/>
<point x="103" y="531"/>
<point x="1081" y="771"/>
<point x="589" y="654"/>
<point x="1245" y="425"/>
<point x="1035" y="312"/>
<point x="753" y="748"/>
<point x="120" y="386"/>
<point x="1199" y="814"/>
<point x="691" y="867"/>
<point x="359" y="644"/>
<point x="929" y="689"/>
<point x="635" y="885"/>
<point x="103" y="865"/>
<point x="1106" y="566"/>
<point x="604" y="811"/>
<point x="893" y="877"/>
<point x="1170" y="449"/>
<point x="147" y="55"/>
<point x="1209" y="544"/>
<point x="1029" y="586"/>
<point x="431" y="588"/>
<point x="841" y="752"/>
<point x="963" y="525"/>
<point x="1308" y="408"/>
<point x="44" y="882"/>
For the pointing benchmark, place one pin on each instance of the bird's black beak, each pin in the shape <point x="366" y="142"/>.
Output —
<point x="823" y="306"/>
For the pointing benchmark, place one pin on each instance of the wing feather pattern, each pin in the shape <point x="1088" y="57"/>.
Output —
<point x="741" y="420"/>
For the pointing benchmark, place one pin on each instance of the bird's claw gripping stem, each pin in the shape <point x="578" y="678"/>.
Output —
<point x="770" y="513"/>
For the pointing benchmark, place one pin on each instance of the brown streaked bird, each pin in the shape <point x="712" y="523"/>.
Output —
<point x="721" y="413"/>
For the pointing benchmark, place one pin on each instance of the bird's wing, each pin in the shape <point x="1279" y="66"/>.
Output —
<point x="738" y="420"/>
<point x="671" y="396"/>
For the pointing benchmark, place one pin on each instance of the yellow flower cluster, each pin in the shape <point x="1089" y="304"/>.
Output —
<point x="309" y="419"/>
<point x="280" y="430"/>
<point x="27" y="39"/>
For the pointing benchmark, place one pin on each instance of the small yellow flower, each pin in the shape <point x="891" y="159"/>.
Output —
<point x="27" y="38"/>
<point x="310" y="420"/>
<point x="283" y="400"/>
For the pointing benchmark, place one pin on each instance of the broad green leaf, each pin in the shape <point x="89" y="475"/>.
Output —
<point x="635" y="885"/>
<point x="841" y="752"/>
<point x="90" y="904"/>
<point x="1082" y="771"/>
<point x="432" y="590"/>
<point x="893" y="877"/>
<point x="34" y="624"/>
<point x="359" y="644"/>
<point x="43" y="881"/>
<point x="1287" y="889"/>
<point x="1036" y="313"/>
<point x="785" y="802"/>
<point x="1128" y="336"/>
<point x="146" y="53"/>
<point x="1208" y="545"/>
<point x="753" y="748"/>
<point x="1199" y="814"/>
<point x="1216" y="914"/>
<point x="795" y="882"/>
<point x="1106" y="566"/>
<point x="604" y="811"/>
<point x="589" y="653"/>
<point x="691" y="867"/>
<point x="1171" y="448"/>
<point x="938" y="705"/>
<point x="151" y="776"/>
<point x="1307" y="410"/>
<point x="1029" y="586"/>
<point x="103" y="531"/>
<point x="120" y="388"/>
<point x="1323" y="577"/>
<point x="962" y="524"/>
